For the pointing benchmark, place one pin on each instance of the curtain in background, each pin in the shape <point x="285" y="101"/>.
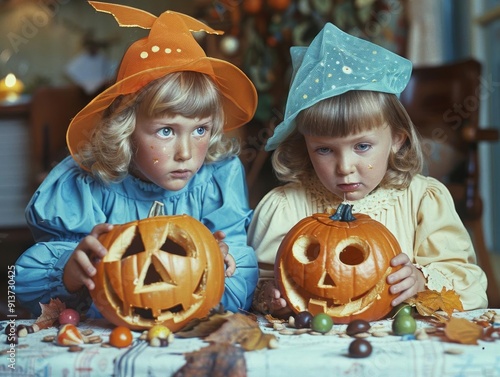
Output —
<point x="425" y="33"/>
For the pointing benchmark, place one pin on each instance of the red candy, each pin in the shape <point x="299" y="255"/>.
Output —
<point x="69" y="316"/>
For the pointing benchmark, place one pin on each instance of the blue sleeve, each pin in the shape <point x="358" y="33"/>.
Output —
<point x="232" y="215"/>
<point x="39" y="273"/>
<point x="61" y="212"/>
<point x="66" y="206"/>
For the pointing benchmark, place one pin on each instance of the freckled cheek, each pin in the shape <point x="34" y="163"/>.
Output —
<point x="164" y="155"/>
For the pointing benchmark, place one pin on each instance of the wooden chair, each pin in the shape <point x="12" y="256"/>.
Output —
<point x="443" y="102"/>
<point x="50" y="114"/>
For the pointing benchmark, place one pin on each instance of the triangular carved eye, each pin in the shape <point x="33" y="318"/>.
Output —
<point x="136" y="245"/>
<point x="173" y="247"/>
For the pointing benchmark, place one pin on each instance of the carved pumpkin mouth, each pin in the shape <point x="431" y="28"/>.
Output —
<point x="356" y="306"/>
<point x="302" y="299"/>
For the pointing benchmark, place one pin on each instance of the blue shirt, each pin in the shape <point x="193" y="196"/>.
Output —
<point x="70" y="202"/>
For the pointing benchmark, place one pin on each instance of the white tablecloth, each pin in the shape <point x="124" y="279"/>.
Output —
<point x="296" y="355"/>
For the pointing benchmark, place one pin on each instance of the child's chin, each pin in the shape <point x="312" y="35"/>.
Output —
<point x="175" y="185"/>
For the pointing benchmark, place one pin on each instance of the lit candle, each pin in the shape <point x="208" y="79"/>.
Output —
<point x="10" y="88"/>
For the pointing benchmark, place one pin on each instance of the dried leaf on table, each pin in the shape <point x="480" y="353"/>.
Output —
<point x="428" y="302"/>
<point x="216" y="360"/>
<point x="239" y="329"/>
<point x="50" y="313"/>
<point x="463" y="331"/>
<point x="272" y="319"/>
<point x="205" y="326"/>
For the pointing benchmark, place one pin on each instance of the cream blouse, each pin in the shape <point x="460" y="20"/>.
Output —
<point x="422" y="218"/>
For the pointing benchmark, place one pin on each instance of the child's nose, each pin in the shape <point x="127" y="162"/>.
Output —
<point x="345" y="165"/>
<point x="183" y="150"/>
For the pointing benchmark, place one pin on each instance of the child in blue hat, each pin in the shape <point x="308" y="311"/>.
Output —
<point x="346" y="137"/>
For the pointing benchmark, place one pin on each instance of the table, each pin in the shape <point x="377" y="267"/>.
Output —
<point x="296" y="355"/>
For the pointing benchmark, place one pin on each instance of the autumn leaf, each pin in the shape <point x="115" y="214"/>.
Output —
<point x="428" y="302"/>
<point x="50" y="313"/>
<point x="463" y="331"/>
<point x="239" y="329"/>
<point x="216" y="360"/>
<point x="204" y="327"/>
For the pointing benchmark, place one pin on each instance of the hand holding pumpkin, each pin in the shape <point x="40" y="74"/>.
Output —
<point x="273" y="300"/>
<point x="79" y="269"/>
<point x="228" y="258"/>
<point x="407" y="281"/>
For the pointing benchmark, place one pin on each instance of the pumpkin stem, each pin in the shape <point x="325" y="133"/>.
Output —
<point x="156" y="209"/>
<point x="343" y="213"/>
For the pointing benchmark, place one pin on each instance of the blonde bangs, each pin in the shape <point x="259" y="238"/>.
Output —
<point x="189" y="94"/>
<point x="344" y="115"/>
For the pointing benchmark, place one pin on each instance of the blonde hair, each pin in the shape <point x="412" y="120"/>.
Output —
<point x="347" y="114"/>
<point x="109" y="153"/>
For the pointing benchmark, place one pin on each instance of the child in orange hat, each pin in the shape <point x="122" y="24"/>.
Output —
<point x="156" y="135"/>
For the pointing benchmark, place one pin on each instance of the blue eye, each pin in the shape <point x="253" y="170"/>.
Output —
<point x="362" y="147"/>
<point x="200" y="131"/>
<point x="323" y="150"/>
<point x="165" y="132"/>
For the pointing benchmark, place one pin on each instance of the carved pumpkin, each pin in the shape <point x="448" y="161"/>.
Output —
<point x="337" y="265"/>
<point x="160" y="270"/>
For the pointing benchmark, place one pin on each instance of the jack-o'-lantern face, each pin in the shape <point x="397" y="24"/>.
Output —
<point x="164" y="269"/>
<point x="327" y="264"/>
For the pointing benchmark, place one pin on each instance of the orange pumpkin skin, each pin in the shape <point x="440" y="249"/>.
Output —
<point x="160" y="270"/>
<point x="337" y="267"/>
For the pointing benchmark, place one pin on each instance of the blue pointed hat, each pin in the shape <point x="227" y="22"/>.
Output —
<point x="334" y="63"/>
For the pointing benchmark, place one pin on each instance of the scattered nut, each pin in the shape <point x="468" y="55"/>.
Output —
<point x="48" y="338"/>
<point x="454" y="351"/>
<point x="87" y="332"/>
<point x="380" y="334"/>
<point x="301" y="331"/>
<point x="362" y="335"/>
<point x="273" y="343"/>
<point x="278" y="326"/>
<point x="94" y="339"/>
<point x="422" y="335"/>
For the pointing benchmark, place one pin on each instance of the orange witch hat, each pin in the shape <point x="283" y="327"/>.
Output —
<point x="169" y="47"/>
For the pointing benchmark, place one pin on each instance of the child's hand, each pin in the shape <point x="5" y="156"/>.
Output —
<point x="79" y="269"/>
<point x="407" y="281"/>
<point x="228" y="258"/>
<point x="269" y="300"/>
